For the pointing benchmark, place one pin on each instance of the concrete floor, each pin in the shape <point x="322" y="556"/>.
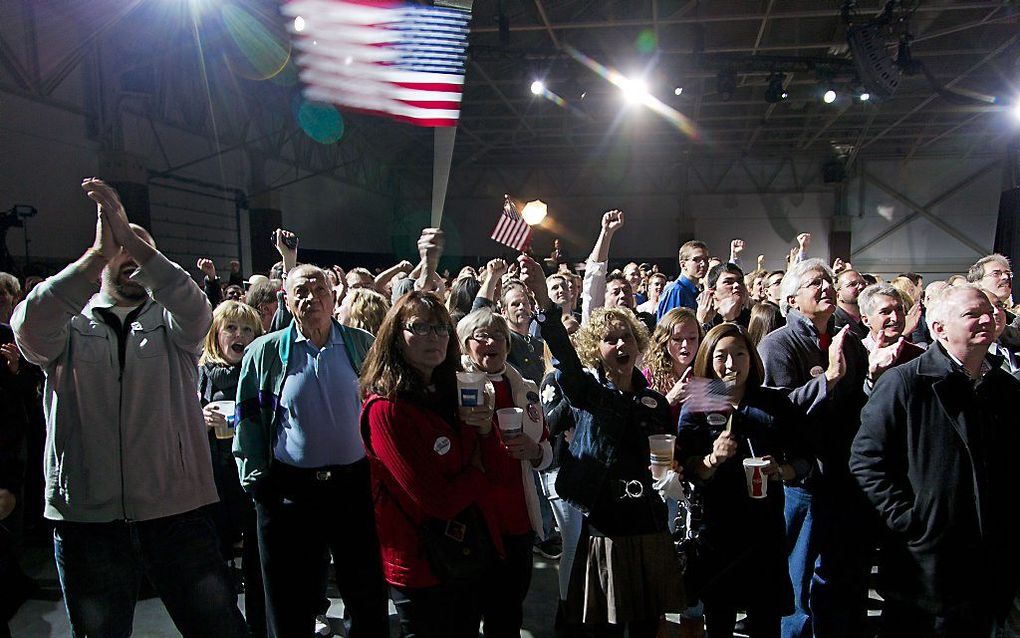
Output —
<point x="47" y="618"/>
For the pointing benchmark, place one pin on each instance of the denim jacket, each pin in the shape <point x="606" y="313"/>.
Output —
<point x="602" y="417"/>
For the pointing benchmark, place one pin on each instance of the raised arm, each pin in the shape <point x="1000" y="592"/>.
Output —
<point x="212" y="282"/>
<point x="593" y="287"/>
<point x="186" y="310"/>
<point x="430" y="248"/>
<point x="384" y="277"/>
<point x="40" y="321"/>
<point x="286" y="243"/>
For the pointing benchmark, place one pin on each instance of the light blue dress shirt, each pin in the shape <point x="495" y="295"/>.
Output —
<point x="320" y="406"/>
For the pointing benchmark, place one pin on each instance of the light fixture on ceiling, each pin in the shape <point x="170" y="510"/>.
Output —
<point x="829" y="96"/>
<point x="299" y="24"/>
<point x="537" y="87"/>
<point x="865" y="96"/>
<point x="534" y="212"/>
<point x="635" y="90"/>
<point x="678" y="90"/>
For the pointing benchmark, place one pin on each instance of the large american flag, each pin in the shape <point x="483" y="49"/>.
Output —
<point x="404" y="61"/>
<point x="511" y="229"/>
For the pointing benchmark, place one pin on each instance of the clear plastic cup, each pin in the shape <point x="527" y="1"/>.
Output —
<point x="511" y="421"/>
<point x="661" y="447"/>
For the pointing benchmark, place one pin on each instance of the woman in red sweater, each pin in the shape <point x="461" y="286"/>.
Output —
<point x="427" y="462"/>
<point x="511" y="461"/>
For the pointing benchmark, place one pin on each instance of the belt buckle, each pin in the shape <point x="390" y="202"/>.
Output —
<point x="632" y="488"/>
<point x="323" y="475"/>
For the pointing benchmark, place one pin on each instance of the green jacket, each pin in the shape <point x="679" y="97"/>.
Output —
<point x="263" y="372"/>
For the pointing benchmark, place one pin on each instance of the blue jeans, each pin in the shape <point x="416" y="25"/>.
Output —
<point x="802" y="554"/>
<point x="569" y="521"/>
<point x="829" y="537"/>
<point x="101" y="566"/>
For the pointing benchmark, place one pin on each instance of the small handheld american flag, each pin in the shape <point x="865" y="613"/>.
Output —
<point x="389" y="58"/>
<point x="511" y="229"/>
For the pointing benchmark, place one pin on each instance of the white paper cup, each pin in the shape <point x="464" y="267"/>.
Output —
<point x="511" y="421"/>
<point x="226" y="408"/>
<point x="471" y="389"/>
<point x="660" y="450"/>
<point x="757" y="481"/>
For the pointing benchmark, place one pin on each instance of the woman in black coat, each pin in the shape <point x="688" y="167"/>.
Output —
<point x="741" y="558"/>
<point x="234" y="326"/>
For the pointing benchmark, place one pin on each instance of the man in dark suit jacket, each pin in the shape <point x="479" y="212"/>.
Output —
<point x="933" y="456"/>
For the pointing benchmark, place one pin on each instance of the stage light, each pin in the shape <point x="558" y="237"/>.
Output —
<point x="537" y="87"/>
<point x="775" y="92"/>
<point x="299" y="24"/>
<point x="534" y="212"/>
<point x="865" y="96"/>
<point x="829" y="97"/>
<point x="634" y="90"/>
<point x="678" y="90"/>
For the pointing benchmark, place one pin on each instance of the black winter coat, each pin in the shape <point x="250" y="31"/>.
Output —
<point x="935" y="455"/>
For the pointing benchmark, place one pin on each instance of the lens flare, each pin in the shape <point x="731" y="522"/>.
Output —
<point x="263" y="49"/>
<point x="679" y="121"/>
<point x="321" y="122"/>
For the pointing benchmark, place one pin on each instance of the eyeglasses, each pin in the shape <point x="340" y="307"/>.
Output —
<point x="815" y="283"/>
<point x="423" y="329"/>
<point x="997" y="274"/>
<point x="488" y="337"/>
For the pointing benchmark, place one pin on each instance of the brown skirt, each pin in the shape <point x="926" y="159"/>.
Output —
<point x="624" y="579"/>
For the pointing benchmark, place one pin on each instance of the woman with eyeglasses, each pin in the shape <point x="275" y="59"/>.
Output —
<point x="429" y="461"/>
<point x="625" y="574"/>
<point x="513" y="458"/>
<point x="741" y="559"/>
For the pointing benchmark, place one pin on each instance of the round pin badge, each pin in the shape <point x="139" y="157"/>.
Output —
<point x="817" y="370"/>
<point x="649" y="402"/>
<point x="533" y="412"/>
<point x="441" y="446"/>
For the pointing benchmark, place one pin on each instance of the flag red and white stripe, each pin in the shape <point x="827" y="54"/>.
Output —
<point x="388" y="58"/>
<point x="511" y="229"/>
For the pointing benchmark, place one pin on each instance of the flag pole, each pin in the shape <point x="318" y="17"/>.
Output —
<point x="442" y="155"/>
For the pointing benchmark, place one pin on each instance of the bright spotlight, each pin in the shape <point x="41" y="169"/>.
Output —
<point x="1016" y="110"/>
<point x="678" y="90"/>
<point x="634" y="90"/>
<point x="534" y="212"/>
<point x="299" y="24"/>
<point x="865" y="96"/>
<point x="537" y="87"/>
<point x="829" y="97"/>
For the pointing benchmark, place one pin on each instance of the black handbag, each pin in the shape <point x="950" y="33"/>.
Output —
<point x="459" y="550"/>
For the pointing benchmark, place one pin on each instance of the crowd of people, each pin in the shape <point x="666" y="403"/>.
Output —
<point x="427" y="434"/>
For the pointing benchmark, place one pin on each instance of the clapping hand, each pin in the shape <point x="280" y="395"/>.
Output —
<point x="12" y="357"/>
<point x="706" y="306"/>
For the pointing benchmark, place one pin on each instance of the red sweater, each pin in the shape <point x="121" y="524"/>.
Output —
<point x="418" y="458"/>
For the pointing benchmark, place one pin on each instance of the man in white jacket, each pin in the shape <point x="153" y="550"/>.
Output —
<point x="127" y="456"/>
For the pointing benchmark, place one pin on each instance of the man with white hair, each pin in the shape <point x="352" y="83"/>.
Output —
<point x="828" y="528"/>
<point x="300" y="454"/>
<point x="883" y="315"/>
<point x="934" y="456"/>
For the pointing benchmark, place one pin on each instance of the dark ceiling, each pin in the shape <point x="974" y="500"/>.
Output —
<point x="688" y="44"/>
<point x="182" y="64"/>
